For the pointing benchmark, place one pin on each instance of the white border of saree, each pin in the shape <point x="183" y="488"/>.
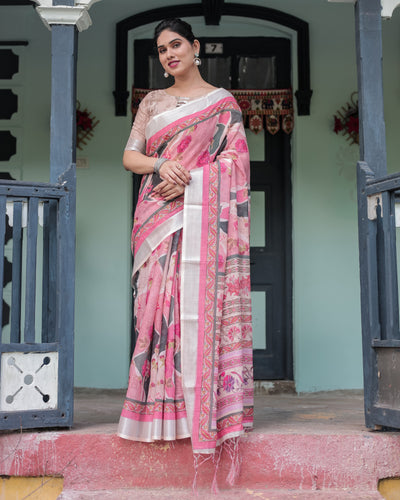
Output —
<point x="190" y="285"/>
<point x="152" y="241"/>
<point x="164" y="119"/>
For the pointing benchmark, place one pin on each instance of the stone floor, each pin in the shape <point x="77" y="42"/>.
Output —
<point x="342" y="412"/>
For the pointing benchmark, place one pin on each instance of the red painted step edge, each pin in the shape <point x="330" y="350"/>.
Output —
<point x="104" y="461"/>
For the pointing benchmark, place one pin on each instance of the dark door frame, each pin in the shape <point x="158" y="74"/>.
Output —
<point x="212" y="11"/>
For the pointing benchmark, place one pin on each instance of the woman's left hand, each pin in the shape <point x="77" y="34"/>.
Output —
<point x="169" y="191"/>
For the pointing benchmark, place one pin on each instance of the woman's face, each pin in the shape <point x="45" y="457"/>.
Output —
<point x="176" y="53"/>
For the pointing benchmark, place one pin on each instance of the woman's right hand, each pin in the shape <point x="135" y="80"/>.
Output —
<point x="168" y="191"/>
<point x="175" y="173"/>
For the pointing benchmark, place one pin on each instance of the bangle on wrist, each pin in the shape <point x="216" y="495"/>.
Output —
<point x="158" y="164"/>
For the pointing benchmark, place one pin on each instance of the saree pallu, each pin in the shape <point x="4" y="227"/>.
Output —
<point x="192" y="373"/>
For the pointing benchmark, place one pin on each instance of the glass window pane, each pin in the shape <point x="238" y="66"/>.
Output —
<point x="257" y="228"/>
<point x="257" y="72"/>
<point x="217" y="71"/>
<point x="259" y="320"/>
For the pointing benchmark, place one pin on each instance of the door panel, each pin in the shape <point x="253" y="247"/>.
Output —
<point x="258" y="230"/>
<point x="270" y="259"/>
<point x="260" y="307"/>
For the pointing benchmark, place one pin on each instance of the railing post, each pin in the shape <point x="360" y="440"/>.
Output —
<point x="369" y="289"/>
<point x="65" y="306"/>
<point x="15" y="335"/>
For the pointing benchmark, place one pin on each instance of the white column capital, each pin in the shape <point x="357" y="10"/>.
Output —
<point x="388" y="6"/>
<point x="65" y="14"/>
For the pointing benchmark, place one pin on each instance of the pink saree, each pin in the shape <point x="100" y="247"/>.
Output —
<point x="191" y="373"/>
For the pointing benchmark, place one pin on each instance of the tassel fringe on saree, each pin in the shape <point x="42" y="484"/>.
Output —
<point x="191" y="373"/>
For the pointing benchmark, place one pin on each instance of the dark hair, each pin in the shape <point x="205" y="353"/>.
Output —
<point x="177" y="26"/>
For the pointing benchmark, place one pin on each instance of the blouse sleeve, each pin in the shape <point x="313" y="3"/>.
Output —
<point x="137" y="138"/>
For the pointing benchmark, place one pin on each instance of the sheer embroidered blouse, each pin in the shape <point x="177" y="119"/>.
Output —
<point x="153" y="104"/>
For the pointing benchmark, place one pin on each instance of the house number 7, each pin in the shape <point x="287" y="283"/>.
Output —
<point x="214" y="48"/>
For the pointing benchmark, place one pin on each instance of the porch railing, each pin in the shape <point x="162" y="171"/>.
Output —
<point x="377" y="199"/>
<point x="36" y="346"/>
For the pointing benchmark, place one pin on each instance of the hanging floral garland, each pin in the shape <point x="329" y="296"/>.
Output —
<point x="347" y="121"/>
<point x="85" y="124"/>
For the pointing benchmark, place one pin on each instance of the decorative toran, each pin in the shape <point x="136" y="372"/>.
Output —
<point x="269" y="109"/>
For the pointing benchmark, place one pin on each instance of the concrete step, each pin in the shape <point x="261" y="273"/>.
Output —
<point x="302" y="464"/>
<point x="247" y="494"/>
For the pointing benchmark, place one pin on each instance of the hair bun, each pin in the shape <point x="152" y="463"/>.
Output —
<point x="177" y="26"/>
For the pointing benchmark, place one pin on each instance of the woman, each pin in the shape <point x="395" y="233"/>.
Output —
<point x="191" y="371"/>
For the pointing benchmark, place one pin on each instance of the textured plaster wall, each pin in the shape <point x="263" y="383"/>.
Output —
<point x="326" y="327"/>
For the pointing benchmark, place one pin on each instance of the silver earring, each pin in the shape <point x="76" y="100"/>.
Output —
<point x="197" y="60"/>
<point x="166" y="75"/>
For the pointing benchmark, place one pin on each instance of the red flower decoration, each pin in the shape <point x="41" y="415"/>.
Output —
<point x="83" y="120"/>
<point x="353" y="124"/>
<point x="346" y="120"/>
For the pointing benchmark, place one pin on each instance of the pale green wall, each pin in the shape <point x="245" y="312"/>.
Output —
<point x="327" y="338"/>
